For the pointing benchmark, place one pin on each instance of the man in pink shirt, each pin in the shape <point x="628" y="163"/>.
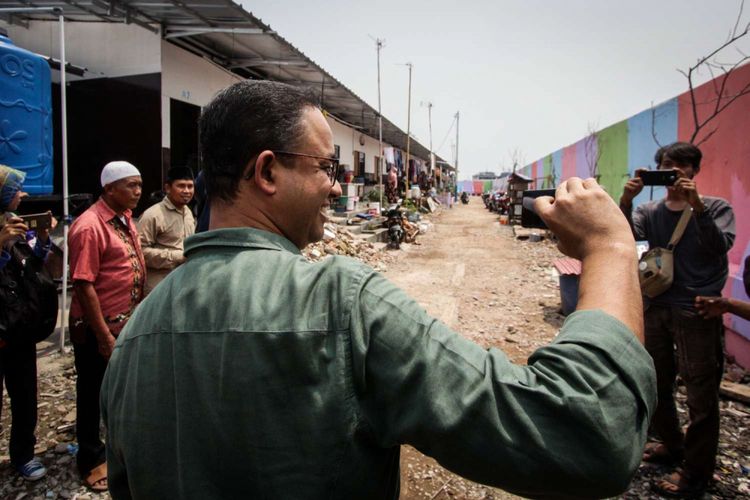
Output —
<point x="108" y="272"/>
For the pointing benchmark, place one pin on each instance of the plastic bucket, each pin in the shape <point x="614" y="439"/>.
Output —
<point x="568" y="293"/>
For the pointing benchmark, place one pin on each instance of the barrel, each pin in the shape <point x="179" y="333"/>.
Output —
<point x="26" y="116"/>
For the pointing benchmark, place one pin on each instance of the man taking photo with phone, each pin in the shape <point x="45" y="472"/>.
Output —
<point x="253" y="373"/>
<point x="672" y="321"/>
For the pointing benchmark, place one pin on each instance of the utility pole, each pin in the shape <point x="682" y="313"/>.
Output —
<point x="408" y="134"/>
<point x="379" y="45"/>
<point x="456" y="161"/>
<point x="66" y="209"/>
<point x="429" y="124"/>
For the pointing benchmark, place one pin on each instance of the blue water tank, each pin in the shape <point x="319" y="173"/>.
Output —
<point x="26" y="116"/>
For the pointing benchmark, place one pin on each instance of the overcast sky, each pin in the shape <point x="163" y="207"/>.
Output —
<point x="526" y="74"/>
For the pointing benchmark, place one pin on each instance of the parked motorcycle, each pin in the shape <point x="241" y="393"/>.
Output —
<point x="394" y="223"/>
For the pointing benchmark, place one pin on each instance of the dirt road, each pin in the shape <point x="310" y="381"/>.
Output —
<point x="476" y="277"/>
<point x="472" y="274"/>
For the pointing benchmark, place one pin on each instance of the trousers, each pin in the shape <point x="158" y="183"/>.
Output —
<point x="681" y="341"/>
<point x="18" y="370"/>
<point x="90" y="367"/>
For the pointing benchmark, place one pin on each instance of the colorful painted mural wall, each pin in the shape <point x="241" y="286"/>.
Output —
<point x="627" y="145"/>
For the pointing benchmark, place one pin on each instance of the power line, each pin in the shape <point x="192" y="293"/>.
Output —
<point x="447" y="134"/>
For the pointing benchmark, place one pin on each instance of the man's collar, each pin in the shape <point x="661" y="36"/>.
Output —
<point x="106" y="213"/>
<point x="171" y="206"/>
<point x="239" y="237"/>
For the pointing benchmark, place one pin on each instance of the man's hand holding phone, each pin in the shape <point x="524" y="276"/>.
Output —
<point x="632" y="188"/>
<point x="585" y="219"/>
<point x="592" y="228"/>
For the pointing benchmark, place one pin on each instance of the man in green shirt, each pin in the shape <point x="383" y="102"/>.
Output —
<point x="253" y="373"/>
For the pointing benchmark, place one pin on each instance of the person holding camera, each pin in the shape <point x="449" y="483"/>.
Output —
<point x="673" y="322"/>
<point x="17" y="346"/>
<point x="253" y="373"/>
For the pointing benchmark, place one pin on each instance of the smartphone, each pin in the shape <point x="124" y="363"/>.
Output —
<point x="37" y="222"/>
<point x="658" y="177"/>
<point x="529" y="217"/>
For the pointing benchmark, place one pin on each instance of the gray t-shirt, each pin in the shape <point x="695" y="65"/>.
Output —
<point x="701" y="266"/>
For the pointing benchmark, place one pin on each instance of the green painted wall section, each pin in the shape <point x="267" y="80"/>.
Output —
<point x="548" y="182"/>
<point x="613" y="161"/>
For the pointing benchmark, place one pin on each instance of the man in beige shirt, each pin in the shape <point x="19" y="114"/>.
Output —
<point x="164" y="227"/>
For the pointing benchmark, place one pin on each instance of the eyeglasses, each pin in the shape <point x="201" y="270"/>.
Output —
<point x="331" y="169"/>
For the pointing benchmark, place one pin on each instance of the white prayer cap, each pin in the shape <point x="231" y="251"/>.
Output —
<point x="116" y="170"/>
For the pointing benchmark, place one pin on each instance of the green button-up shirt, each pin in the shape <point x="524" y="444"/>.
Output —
<point x="253" y="373"/>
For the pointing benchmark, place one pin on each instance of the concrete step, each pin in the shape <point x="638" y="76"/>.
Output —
<point x="353" y="228"/>
<point x="378" y="235"/>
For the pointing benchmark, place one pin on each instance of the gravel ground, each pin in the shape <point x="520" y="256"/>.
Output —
<point x="472" y="274"/>
<point x="499" y="291"/>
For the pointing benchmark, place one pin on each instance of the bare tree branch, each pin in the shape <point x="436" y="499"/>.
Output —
<point x="706" y="137"/>
<point x="591" y="150"/>
<point x="739" y="17"/>
<point x="721" y="100"/>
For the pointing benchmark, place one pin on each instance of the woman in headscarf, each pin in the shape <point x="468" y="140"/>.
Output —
<point x="18" y="357"/>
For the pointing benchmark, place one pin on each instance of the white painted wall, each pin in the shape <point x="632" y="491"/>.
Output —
<point x="188" y="78"/>
<point x="105" y="49"/>
<point x="348" y="139"/>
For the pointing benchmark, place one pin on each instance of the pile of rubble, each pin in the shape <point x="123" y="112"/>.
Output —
<point x="55" y="434"/>
<point x="732" y="473"/>
<point x="337" y="240"/>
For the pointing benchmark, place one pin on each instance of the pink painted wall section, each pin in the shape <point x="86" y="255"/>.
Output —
<point x="725" y="172"/>
<point x="569" y="162"/>
<point x="725" y="168"/>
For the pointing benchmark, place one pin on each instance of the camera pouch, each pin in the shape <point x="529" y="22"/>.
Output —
<point x="656" y="267"/>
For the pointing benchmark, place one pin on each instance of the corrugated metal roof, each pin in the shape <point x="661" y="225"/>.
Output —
<point x="516" y="175"/>
<point x="228" y="35"/>
<point x="568" y="266"/>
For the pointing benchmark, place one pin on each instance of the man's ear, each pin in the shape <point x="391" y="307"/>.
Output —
<point x="265" y="170"/>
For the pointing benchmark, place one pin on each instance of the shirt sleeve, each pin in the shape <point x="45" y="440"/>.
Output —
<point x="640" y="222"/>
<point x="4" y="258"/>
<point x="577" y="415"/>
<point x="716" y="229"/>
<point x="41" y="249"/>
<point x="85" y="254"/>
<point x="155" y="257"/>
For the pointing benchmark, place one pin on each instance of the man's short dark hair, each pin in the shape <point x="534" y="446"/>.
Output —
<point x="242" y="121"/>
<point x="179" y="174"/>
<point x="683" y="153"/>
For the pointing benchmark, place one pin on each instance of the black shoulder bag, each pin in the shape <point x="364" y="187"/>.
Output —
<point x="28" y="298"/>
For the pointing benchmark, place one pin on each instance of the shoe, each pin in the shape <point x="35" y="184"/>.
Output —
<point x="679" y="484"/>
<point x="33" y="470"/>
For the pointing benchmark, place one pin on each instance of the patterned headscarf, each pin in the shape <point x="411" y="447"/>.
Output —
<point x="11" y="182"/>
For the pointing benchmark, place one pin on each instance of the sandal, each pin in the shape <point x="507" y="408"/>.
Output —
<point x="97" y="478"/>
<point x="658" y="453"/>
<point x="679" y="485"/>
